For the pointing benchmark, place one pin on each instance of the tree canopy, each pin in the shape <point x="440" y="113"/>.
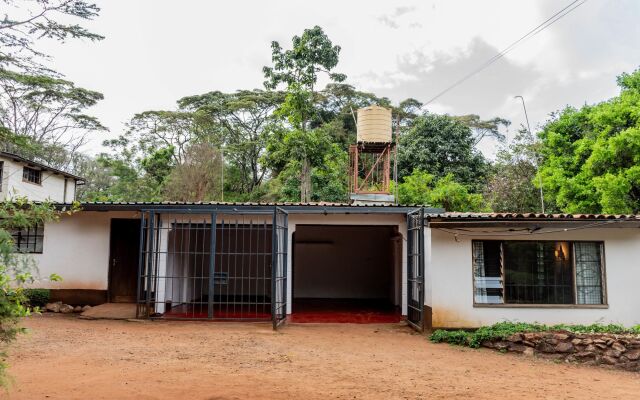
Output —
<point x="591" y="155"/>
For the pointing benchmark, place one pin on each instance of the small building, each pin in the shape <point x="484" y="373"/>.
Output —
<point x="345" y="263"/>
<point x="21" y="177"/>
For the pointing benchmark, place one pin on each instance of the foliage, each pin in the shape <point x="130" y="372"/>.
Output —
<point x="298" y="69"/>
<point x="198" y="178"/>
<point x="503" y="330"/>
<point x="441" y="145"/>
<point x="37" y="297"/>
<point x="510" y="187"/>
<point x="44" y="114"/>
<point x="17" y="270"/>
<point x="423" y="188"/>
<point x="482" y="128"/>
<point x="591" y="155"/>
<point x="245" y="121"/>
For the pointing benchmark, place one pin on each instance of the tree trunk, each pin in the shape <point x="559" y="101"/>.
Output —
<point x="305" y="181"/>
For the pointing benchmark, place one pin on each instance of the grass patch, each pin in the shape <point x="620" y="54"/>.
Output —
<point x="503" y="330"/>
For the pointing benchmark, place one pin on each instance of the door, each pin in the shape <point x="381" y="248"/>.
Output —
<point x="415" y="269"/>
<point x="280" y="245"/>
<point x="123" y="260"/>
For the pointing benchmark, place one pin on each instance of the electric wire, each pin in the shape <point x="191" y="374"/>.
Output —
<point x="544" y="25"/>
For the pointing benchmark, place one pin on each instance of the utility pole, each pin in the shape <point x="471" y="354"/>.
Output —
<point x="526" y="116"/>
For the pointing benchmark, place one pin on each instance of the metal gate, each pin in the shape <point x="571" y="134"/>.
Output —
<point x="415" y="269"/>
<point x="279" y="269"/>
<point x="213" y="264"/>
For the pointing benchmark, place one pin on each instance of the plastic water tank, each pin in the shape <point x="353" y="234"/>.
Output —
<point x="374" y="125"/>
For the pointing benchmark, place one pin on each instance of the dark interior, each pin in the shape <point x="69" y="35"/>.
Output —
<point x="346" y="273"/>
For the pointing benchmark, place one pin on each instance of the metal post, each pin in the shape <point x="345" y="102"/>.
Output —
<point x="152" y="217"/>
<point x="526" y="116"/>
<point x="212" y="264"/>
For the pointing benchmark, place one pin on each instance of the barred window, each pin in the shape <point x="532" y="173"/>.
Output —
<point x="32" y="175"/>
<point x="538" y="272"/>
<point x="28" y="240"/>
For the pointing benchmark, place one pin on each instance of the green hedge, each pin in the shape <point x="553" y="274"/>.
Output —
<point x="503" y="330"/>
<point x="37" y="297"/>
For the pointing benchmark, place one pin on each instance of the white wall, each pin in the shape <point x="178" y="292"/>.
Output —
<point x="77" y="249"/>
<point x="450" y="277"/>
<point x="51" y="188"/>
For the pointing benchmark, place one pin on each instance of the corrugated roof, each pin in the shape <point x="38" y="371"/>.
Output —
<point x="222" y="203"/>
<point x="531" y="216"/>
<point x="19" y="158"/>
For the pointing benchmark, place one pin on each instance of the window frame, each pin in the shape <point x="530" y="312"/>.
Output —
<point x="25" y="179"/>
<point x="603" y="277"/>
<point x="35" y="235"/>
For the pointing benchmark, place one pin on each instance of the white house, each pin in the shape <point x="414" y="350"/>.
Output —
<point x="340" y="262"/>
<point x="20" y="177"/>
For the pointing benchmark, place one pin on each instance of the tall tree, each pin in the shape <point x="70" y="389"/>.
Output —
<point x="312" y="54"/>
<point x="198" y="178"/>
<point x="440" y="145"/>
<point x="484" y="128"/>
<point x="511" y="187"/>
<point x="40" y="113"/>
<point x="591" y="155"/>
<point x="245" y="120"/>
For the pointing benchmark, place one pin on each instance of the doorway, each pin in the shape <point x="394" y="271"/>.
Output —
<point x="123" y="260"/>
<point x="347" y="273"/>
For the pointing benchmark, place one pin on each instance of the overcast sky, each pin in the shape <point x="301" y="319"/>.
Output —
<point x="157" y="51"/>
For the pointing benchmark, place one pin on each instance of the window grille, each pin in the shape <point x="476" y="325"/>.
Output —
<point x="28" y="240"/>
<point x="32" y="175"/>
<point x="537" y="272"/>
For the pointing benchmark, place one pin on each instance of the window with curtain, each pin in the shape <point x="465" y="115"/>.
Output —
<point x="537" y="272"/>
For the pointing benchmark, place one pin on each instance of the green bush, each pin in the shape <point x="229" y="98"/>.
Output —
<point x="503" y="330"/>
<point x="37" y="297"/>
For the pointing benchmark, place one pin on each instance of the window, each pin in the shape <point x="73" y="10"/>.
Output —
<point x="28" y="240"/>
<point x="537" y="272"/>
<point x="32" y="175"/>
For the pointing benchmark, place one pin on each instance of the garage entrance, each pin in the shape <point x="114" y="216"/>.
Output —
<point x="347" y="273"/>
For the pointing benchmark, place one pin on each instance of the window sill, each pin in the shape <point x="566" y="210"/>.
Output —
<point x="33" y="183"/>
<point x="569" y="306"/>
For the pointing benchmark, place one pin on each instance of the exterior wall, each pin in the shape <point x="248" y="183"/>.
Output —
<point x="52" y="187"/>
<point x="77" y="249"/>
<point x="449" y="281"/>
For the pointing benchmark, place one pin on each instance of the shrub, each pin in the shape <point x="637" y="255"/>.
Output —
<point x="37" y="297"/>
<point x="503" y="330"/>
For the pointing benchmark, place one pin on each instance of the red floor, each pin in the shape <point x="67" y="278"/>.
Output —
<point x="220" y="312"/>
<point x="344" y="311"/>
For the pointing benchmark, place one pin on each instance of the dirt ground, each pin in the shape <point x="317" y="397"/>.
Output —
<point x="64" y="357"/>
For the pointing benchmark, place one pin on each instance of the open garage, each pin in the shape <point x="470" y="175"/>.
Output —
<point x="347" y="273"/>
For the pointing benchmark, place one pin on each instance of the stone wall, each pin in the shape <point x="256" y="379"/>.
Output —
<point x="620" y="351"/>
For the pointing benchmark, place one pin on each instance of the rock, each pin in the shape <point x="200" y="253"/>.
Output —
<point x="576" y="342"/>
<point x="518" y="348"/>
<point x="599" y="341"/>
<point x="77" y="309"/>
<point x="601" y="345"/>
<point x="619" y="347"/>
<point x="587" y="341"/>
<point x="529" y="351"/>
<point x="564" y="347"/>
<point x="612" y="353"/>
<point x="551" y="341"/>
<point x="545" y="347"/>
<point x="632" y="355"/>
<point x="515" y="338"/>
<point x="85" y="308"/>
<point x="66" y="309"/>
<point x="501" y="345"/>
<point x="608" y="360"/>
<point x="531" y="337"/>
<point x="560" y="336"/>
<point x="53" y="307"/>
<point x="610" y="342"/>
<point x="590" y="348"/>
<point x="528" y="343"/>
<point x="585" y="354"/>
